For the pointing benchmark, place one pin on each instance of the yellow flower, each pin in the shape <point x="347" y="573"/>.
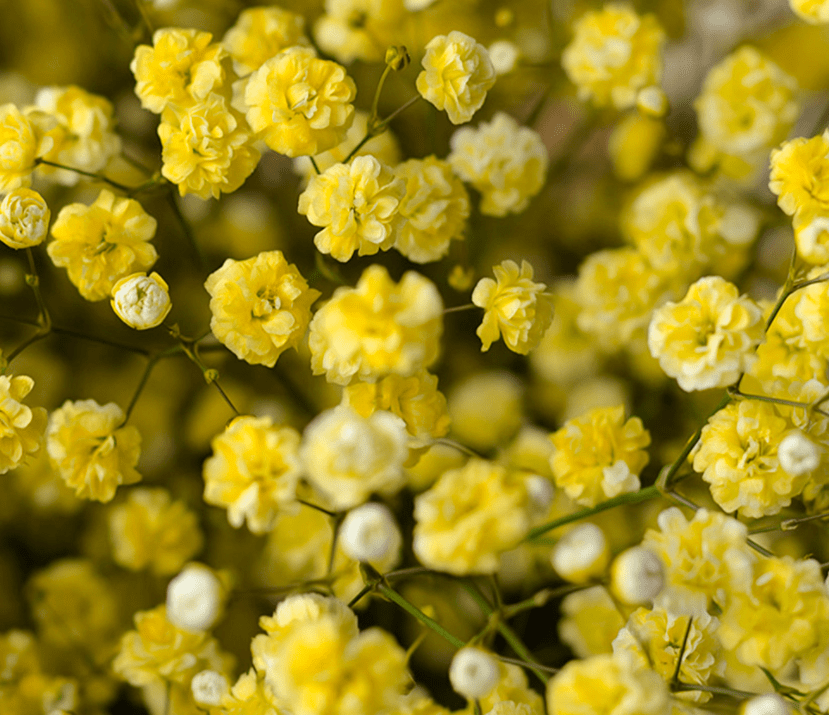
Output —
<point x="601" y="683"/>
<point x="457" y="74"/>
<point x="433" y="210"/>
<point x="799" y="173"/>
<point x="180" y="68"/>
<point x="347" y="457"/>
<point x="633" y="145"/>
<point x="486" y="408"/>
<point x="708" y="339"/>
<point x="737" y="456"/>
<point x="599" y="455"/>
<point x="253" y="472"/>
<point x="24" y="218"/>
<point x="260" y="307"/>
<point x="815" y="12"/>
<point x="141" y="301"/>
<point x="20" y="145"/>
<point x="469" y="517"/>
<point x="21" y="427"/>
<point x="261" y="33"/>
<point x="811" y="236"/>
<point x="590" y="622"/>
<point x="614" y="54"/>
<point x="206" y="148"/>
<point x="359" y="29"/>
<point x="357" y="203"/>
<point x="91" y="449"/>
<point x="102" y="243"/>
<point x="249" y="695"/>
<point x="299" y="104"/>
<point x="150" y="531"/>
<point x="517" y="309"/>
<point x="505" y="162"/>
<point x="377" y="328"/>
<point x="82" y="127"/>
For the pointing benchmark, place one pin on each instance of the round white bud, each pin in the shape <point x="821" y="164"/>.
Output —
<point x="370" y="533"/>
<point x="24" y="218"/>
<point x="194" y="599"/>
<point x="637" y="576"/>
<point x="771" y="704"/>
<point x="581" y="554"/>
<point x="504" y="55"/>
<point x="652" y="101"/>
<point x="798" y="454"/>
<point x="209" y="687"/>
<point x="474" y="673"/>
<point x="141" y="301"/>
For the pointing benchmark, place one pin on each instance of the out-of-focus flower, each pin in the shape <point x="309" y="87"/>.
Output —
<point x="194" y="599"/>
<point x="370" y="533"/>
<point x="141" y="301"/>
<point x="637" y="575"/>
<point x="798" y="169"/>
<point x="473" y="672"/>
<point x="260" y="33"/>
<point x="815" y="12"/>
<point x="24" y="218"/>
<point x="504" y="55"/>
<point x="20" y="144"/>
<point x="359" y="29"/>
<point x="21" y="427"/>
<point x="581" y="554"/>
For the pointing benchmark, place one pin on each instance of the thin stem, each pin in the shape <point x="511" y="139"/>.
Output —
<point x="379" y="128"/>
<point x="457" y="445"/>
<point x="186" y="229"/>
<point x="363" y="592"/>
<point x="542" y="598"/>
<point x="314" y="164"/>
<point x="785" y="293"/>
<point x="675" y="678"/>
<point x="44" y="321"/>
<point x="145" y="18"/>
<point x="401" y="108"/>
<point x="735" y="392"/>
<point x="375" y="103"/>
<point x="151" y="363"/>
<point x="789" y="524"/>
<point x="729" y="692"/>
<point x="318" y="508"/>
<point x="211" y="376"/>
<point x="459" y="308"/>
<point x="414" y="611"/>
<point x="91" y="174"/>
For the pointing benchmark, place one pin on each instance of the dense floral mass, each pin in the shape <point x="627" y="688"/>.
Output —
<point x="407" y="357"/>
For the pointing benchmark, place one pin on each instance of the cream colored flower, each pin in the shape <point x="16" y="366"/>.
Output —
<point x="517" y="309"/>
<point x="377" y="328"/>
<point x="815" y="12"/>
<point x="260" y="307"/>
<point x="457" y="74"/>
<point x="348" y="457"/>
<point x="253" y="472"/>
<point x="359" y="29"/>
<point x="24" y="219"/>
<point x="21" y="427"/>
<point x="102" y="243"/>
<point x="141" y="301"/>
<point x="357" y="203"/>
<point x="799" y="172"/>
<point x="505" y="162"/>
<point x="92" y="449"/>
<point x="299" y="104"/>
<point x="20" y="145"/>
<point x="590" y="621"/>
<point x="260" y="33"/>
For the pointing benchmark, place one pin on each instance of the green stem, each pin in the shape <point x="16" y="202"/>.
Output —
<point x="414" y="611"/>
<point x="314" y="164"/>
<point x="459" y="308"/>
<point x="735" y="392"/>
<point x="675" y="678"/>
<point x="367" y="589"/>
<point x="318" y="508"/>
<point x="186" y="229"/>
<point x="91" y="174"/>
<point x="541" y="598"/>
<point x="375" y="103"/>
<point x="44" y="321"/>
<point x="211" y="376"/>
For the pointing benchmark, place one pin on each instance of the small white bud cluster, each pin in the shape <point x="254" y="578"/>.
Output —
<point x="798" y="454"/>
<point x="771" y="704"/>
<point x="637" y="576"/>
<point x="370" y="533"/>
<point x="473" y="672"/>
<point x="209" y="687"/>
<point x="581" y="554"/>
<point x="194" y="599"/>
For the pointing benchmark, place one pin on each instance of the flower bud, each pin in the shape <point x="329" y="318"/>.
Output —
<point x="473" y="672"/>
<point x="24" y="219"/>
<point x="141" y="301"/>
<point x="798" y="454"/>
<point x="771" y="704"/>
<point x="581" y="554"/>
<point x="652" y="102"/>
<point x="194" y="598"/>
<point x="209" y="687"/>
<point x="541" y="493"/>
<point x="397" y="57"/>
<point x="637" y="576"/>
<point x="369" y="533"/>
<point x="504" y="55"/>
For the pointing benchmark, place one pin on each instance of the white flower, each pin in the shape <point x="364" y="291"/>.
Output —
<point x="208" y="688"/>
<point x="637" y="576"/>
<point x="798" y="454"/>
<point x="504" y="55"/>
<point x="141" y="301"/>
<point x="194" y="599"/>
<point x="771" y="704"/>
<point x="473" y="673"/>
<point x="581" y="554"/>
<point x="370" y="533"/>
<point x="24" y="219"/>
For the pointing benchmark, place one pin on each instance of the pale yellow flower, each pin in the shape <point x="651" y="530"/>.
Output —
<point x="799" y="175"/>
<point x="141" y="301"/>
<point x="253" y="472"/>
<point x="633" y="145"/>
<point x="486" y="408"/>
<point x="249" y="695"/>
<point x="206" y="147"/>
<point x="21" y="427"/>
<point x="516" y="309"/>
<point x="457" y="74"/>
<point x="433" y="210"/>
<point x="811" y="236"/>
<point x="505" y="162"/>
<point x="614" y="54"/>
<point x="708" y="339"/>
<point x="24" y="218"/>
<point x="260" y="33"/>
<point x="102" y="243"/>
<point x="299" y="104"/>
<point x="590" y="621"/>
<point x="377" y="328"/>
<point x="357" y="203"/>
<point x="599" y="455"/>
<point x="260" y="307"/>
<point x="151" y="531"/>
<point x="815" y="12"/>
<point x="20" y="145"/>
<point x="180" y="68"/>
<point x="469" y="517"/>
<point x="359" y="29"/>
<point x="92" y="449"/>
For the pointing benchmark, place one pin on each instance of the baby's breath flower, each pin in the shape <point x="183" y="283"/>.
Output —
<point x="504" y="55"/>
<point x="457" y="74"/>
<point x="473" y="672"/>
<point x="260" y="307"/>
<point x="24" y="218"/>
<point x="433" y="210"/>
<point x="377" y="328"/>
<point x="815" y="12"/>
<point x="590" y="621"/>
<point x="486" y="408"/>
<point x="299" y="104"/>
<point x="470" y="516"/>
<point x="614" y="54"/>
<point x="599" y="455"/>
<point x="769" y="704"/>
<point x="20" y="145"/>
<point x="811" y="236"/>
<point x="194" y="599"/>
<point x="517" y="309"/>
<point x="505" y="162"/>
<point x="253" y="472"/>
<point x="180" y="68"/>
<point x="21" y="427"/>
<point x="637" y="576"/>
<point x="370" y="533"/>
<point x="581" y="554"/>
<point x="357" y="203"/>
<point x="92" y="449"/>
<point x="798" y="454"/>
<point x="102" y="243"/>
<point x="633" y="145"/>
<point x="260" y="33"/>
<point x="141" y="301"/>
<point x="708" y="339"/>
<point x="359" y="29"/>
<point x="207" y="148"/>
<point x="799" y="172"/>
<point x="209" y="688"/>
<point x="347" y="457"/>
